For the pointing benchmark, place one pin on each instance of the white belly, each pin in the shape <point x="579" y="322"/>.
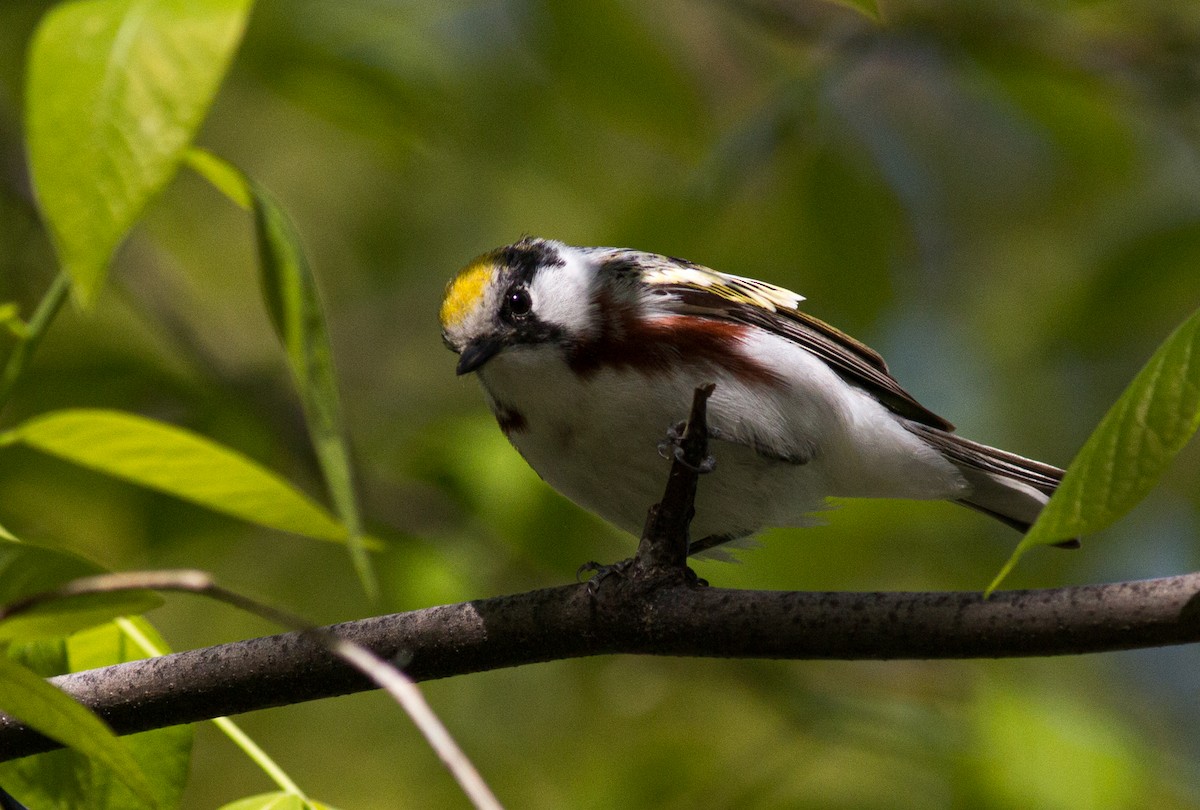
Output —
<point x="595" y="440"/>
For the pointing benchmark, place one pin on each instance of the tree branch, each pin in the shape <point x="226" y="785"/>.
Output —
<point x="638" y="616"/>
<point x="653" y="605"/>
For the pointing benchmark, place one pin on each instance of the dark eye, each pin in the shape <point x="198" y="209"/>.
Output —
<point x="517" y="303"/>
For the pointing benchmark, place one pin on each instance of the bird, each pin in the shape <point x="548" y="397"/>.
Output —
<point x="588" y="355"/>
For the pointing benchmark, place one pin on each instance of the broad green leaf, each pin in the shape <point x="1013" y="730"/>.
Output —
<point x="276" y="801"/>
<point x="65" y="779"/>
<point x="33" y="701"/>
<point x="1127" y="453"/>
<point x="292" y="300"/>
<point x="27" y="569"/>
<point x="178" y="462"/>
<point x="116" y="90"/>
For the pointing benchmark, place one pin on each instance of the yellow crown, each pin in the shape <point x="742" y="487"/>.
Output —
<point x="465" y="292"/>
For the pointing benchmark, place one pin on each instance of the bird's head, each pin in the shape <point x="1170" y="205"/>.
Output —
<point x="533" y="292"/>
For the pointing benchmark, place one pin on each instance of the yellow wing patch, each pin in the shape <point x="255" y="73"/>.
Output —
<point x="465" y="292"/>
<point x="732" y="288"/>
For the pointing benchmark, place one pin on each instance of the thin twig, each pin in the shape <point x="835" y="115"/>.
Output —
<point x="379" y="671"/>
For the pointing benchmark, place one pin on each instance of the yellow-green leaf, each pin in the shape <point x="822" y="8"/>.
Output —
<point x="1127" y="453"/>
<point x="116" y="90"/>
<point x="224" y="176"/>
<point x="180" y="463"/>
<point x="64" y="780"/>
<point x="37" y="704"/>
<point x="27" y="569"/>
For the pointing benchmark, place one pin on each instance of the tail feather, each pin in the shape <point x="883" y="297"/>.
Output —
<point x="1011" y="488"/>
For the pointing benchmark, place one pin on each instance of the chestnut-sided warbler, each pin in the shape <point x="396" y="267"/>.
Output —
<point x="587" y="356"/>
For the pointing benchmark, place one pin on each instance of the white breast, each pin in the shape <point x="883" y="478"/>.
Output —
<point x="595" y="439"/>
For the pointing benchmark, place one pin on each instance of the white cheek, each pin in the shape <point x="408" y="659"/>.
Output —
<point x="562" y="295"/>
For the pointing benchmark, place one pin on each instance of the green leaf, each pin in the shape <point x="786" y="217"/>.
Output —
<point x="295" y="308"/>
<point x="33" y="701"/>
<point x="116" y="90"/>
<point x="1127" y="453"/>
<point x="224" y="176"/>
<point x="292" y="301"/>
<point x="65" y="779"/>
<point x="26" y="569"/>
<point x="178" y="462"/>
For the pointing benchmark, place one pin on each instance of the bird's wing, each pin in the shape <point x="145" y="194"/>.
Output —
<point x="695" y="290"/>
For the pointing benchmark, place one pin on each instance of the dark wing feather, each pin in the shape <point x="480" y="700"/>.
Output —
<point x="856" y="363"/>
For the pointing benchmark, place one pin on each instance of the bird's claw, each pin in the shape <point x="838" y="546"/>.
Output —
<point x="706" y="465"/>
<point x="674" y="437"/>
<point x="672" y="445"/>
<point x="602" y="572"/>
<point x="629" y="569"/>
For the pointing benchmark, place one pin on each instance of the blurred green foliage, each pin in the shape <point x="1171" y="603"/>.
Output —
<point x="1001" y="197"/>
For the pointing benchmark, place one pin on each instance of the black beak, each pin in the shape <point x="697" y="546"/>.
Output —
<point x="476" y="353"/>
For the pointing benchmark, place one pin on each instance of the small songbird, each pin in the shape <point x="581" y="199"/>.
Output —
<point x="587" y="356"/>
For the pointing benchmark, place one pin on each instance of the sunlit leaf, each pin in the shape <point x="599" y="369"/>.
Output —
<point x="65" y="779"/>
<point x="33" y="701"/>
<point x="180" y="463"/>
<point x="27" y="569"/>
<point x="116" y="90"/>
<point x="1127" y="453"/>
<point x="224" y="176"/>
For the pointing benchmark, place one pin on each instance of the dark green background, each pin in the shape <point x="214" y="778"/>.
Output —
<point x="1001" y="197"/>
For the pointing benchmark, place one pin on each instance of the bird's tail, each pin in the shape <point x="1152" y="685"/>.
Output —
<point x="1011" y="488"/>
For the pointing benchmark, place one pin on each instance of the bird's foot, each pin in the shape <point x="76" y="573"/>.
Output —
<point x="601" y="572"/>
<point x="630" y="569"/>
<point x="673" y="446"/>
